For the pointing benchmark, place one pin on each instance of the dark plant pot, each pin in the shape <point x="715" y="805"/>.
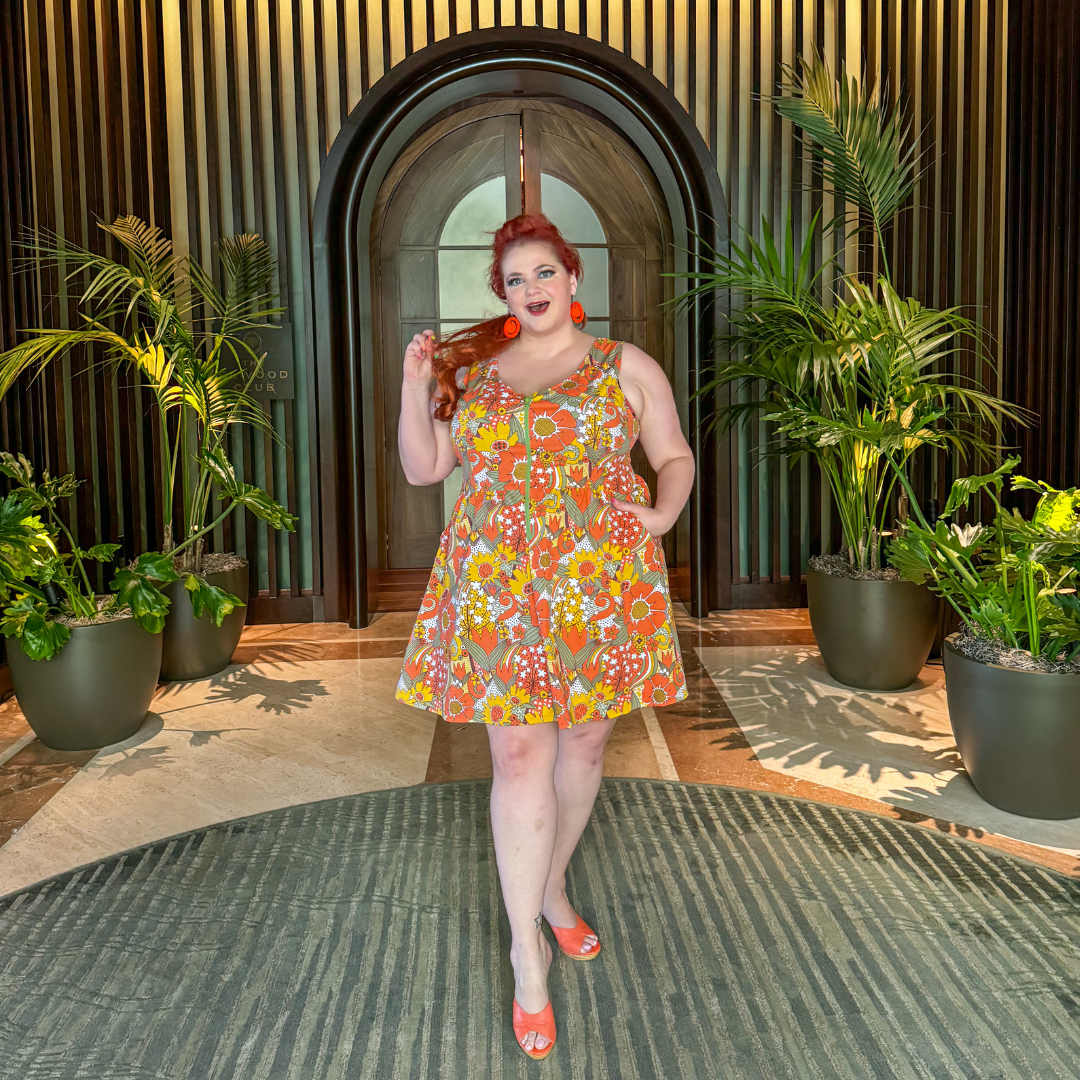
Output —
<point x="195" y="648"/>
<point x="95" y="691"/>
<point x="1018" y="733"/>
<point x="872" y="635"/>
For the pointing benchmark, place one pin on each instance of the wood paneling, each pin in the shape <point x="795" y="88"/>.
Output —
<point x="212" y="117"/>
<point x="1042" y="279"/>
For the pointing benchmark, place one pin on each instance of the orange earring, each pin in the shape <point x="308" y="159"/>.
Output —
<point x="577" y="312"/>
<point x="511" y="326"/>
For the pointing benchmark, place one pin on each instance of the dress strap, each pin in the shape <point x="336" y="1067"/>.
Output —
<point x="610" y="353"/>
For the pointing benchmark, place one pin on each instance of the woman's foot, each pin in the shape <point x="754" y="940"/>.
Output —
<point x="531" y="962"/>
<point x="560" y="912"/>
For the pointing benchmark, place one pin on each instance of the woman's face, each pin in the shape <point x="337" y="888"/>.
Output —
<point x="538" y="286"/>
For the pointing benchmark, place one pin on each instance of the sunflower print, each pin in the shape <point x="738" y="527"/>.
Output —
<point x="545" y="603"/>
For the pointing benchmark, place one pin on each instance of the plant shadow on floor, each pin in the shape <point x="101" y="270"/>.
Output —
<point x="238" y="685"/>
<point x="811" y="718"/>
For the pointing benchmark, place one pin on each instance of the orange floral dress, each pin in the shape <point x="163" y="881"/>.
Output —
<point x="545" y="603"/>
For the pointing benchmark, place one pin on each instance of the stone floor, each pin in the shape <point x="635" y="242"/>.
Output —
<point x="306" y="712"/>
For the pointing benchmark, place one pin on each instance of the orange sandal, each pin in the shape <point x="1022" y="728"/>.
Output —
<point x="571" y="937"/>
<point x="543" y="1023"/>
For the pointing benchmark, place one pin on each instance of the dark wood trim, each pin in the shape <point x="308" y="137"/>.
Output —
<point x="1041" y="350"/>
<point x="284" y="608"/>
<point x="768" y="594"/>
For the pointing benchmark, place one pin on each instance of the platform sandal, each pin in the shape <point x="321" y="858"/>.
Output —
<point x="571" y="937"/>
<point x="543" y="1023"/>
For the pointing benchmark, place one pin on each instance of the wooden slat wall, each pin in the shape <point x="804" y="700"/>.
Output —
<point x="214" y="116"/>
<point x="1042" y="280"/>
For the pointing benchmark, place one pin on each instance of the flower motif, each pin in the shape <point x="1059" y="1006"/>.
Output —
<point x="494" y="438"/>
<point x="459" y="705"/>
<point x="657" y="691"/>
<point x="645" y="607"/>
<point x="550" y="426"/>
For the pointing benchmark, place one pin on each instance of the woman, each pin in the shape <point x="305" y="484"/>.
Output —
<point x="547" y="613"/>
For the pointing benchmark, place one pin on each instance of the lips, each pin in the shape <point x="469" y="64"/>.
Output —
<point x="539" y="307"/>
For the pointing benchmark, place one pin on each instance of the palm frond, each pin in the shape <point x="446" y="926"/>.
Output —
<point x="860" y="146"/>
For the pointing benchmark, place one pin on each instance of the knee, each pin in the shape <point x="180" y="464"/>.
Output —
<point x="587" y="747"/>
<point x="517" y="759"/>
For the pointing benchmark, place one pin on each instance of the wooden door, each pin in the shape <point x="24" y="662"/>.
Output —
<point x="458" y="182"/>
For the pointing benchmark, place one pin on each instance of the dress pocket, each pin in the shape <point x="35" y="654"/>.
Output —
<point x="641" y="494"/>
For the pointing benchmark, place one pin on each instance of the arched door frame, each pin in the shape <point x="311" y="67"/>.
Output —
<point x="533" y="61"/>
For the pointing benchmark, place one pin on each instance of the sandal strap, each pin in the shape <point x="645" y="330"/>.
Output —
<point x="570" y="938"/>
<point x="542" y="1022"/>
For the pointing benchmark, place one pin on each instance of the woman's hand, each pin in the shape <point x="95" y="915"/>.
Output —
<point x="656" y="523"/>
<point x="416" y="370"/>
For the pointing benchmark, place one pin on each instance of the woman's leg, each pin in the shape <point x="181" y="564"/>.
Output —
<point x="524" y="813"/>
<point x="578" y="771"/>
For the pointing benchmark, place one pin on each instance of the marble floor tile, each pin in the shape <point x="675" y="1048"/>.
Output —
<point x="895" y="748"/>
<point x="252" y="738"/>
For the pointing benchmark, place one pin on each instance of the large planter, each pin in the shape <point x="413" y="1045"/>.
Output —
<point x="1018" y="733"/>
<point x="196" y="648"/>
<point x="872" y="635"/>
<point x="95" y="691"/>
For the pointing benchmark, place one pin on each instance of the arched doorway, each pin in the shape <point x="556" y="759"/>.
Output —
<point x="431" y="85"/>
<point x="431" y="229"/>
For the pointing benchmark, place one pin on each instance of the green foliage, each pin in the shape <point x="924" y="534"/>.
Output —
<point x="857" y="376"/>
<point x="199" y="370"/>
<point x="207" y="597"/>
<point x="39" y="580"/>
<point x="1014" y="581"/>
<point x="139" y="589"/>
<point x="28" y="620"/>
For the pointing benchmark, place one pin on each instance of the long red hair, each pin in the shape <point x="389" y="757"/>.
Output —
<point x="486" y="339"/>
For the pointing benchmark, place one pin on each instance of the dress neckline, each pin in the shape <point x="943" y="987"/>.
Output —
<point x="546" y="390"/>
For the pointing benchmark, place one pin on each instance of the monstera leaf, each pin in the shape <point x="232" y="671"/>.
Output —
<point x="255" y="499"/>
<point x="207" y="597"/>
<point x="137" y="589"/>
<point x="966" y="486"/>
<point x="23" y="538"/>
<point x="28" y="620"/>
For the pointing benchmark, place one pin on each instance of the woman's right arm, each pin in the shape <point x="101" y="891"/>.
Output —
<point x="424" y="446"/>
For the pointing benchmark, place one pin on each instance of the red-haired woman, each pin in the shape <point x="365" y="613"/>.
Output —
<point x="547" y="613"/>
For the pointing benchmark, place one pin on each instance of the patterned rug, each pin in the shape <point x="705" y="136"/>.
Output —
<point x="745" y="935"/>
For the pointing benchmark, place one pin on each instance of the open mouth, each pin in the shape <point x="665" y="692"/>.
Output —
<point x="539" y="307"/>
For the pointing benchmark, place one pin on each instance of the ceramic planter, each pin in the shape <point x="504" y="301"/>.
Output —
<point x="1018" y="733"/>
<point x="95" y="691"/>
<point x="872" y="635"/>
<point x="196" y="648"/>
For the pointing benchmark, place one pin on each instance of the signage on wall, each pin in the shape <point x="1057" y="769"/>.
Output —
<point x="276" y="381"/>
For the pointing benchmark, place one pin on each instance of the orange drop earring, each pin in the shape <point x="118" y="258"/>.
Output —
<point x="577" y="312"/>
<point x="511" y="326"/>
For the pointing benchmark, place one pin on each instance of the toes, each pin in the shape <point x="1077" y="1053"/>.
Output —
<point x="541" y="1042"/>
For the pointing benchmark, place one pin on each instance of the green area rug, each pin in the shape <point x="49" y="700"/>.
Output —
<point x="744" y="935"/>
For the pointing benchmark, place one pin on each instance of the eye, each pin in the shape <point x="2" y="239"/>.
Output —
<point x="544" y="273"/>
<point x="515" y="280"/>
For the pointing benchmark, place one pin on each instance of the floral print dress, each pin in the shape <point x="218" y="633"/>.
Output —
<point x="545" y="603"/>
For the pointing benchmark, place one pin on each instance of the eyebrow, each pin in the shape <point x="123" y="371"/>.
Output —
<point x="539" y="266"/>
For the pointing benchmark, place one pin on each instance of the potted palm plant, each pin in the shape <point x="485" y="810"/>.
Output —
<point x="199" y="371"/>
<point x="84" y="666"/>
<point x="1012" y="673"/>
<point x="852" y="374"/>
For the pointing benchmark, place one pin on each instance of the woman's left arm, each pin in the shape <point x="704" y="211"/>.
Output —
<point x="647" y="389"/>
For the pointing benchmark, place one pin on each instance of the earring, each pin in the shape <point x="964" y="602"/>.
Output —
<point x="577" y="312"/>
<point x="511" y="326"/>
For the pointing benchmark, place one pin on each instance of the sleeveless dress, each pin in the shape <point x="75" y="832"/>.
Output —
<point x="545" y="603"/>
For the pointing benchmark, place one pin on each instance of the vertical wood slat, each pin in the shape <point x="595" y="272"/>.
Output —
<point x="945" y="53"/>
<point x="1041" y="293"/>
